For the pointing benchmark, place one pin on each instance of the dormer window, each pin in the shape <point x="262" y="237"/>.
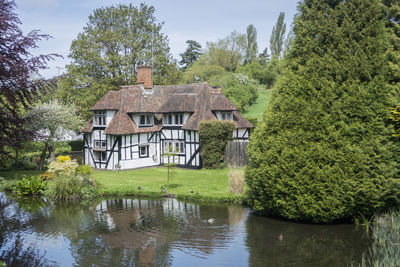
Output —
<point x="173" y="119"/>
<point x="226" y="116"/>
<point x="146" y="120"/>
<point x="99" y="118"/>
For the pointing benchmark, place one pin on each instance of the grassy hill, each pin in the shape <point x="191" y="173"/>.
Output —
<point x="258" y="108"/>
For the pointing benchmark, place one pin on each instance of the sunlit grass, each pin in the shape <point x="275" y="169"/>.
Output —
<point x="209" y="185"/>
<point x="258" y="108"/>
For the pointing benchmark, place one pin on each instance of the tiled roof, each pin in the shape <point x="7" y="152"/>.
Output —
<point x="199" y="99"/>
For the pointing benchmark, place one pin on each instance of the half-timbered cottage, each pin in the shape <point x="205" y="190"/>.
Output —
<point x="139" y="125"/>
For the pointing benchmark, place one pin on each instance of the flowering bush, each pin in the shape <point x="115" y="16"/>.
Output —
<point x="63" y="158"/>
<point x="62" y="166"/>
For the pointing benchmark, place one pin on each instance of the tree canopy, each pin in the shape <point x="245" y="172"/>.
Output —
<point x="278" y="36"/>
<point x="17" y="89"/>
<point x="323" y="151"/>
<point x="191" y="55"/>
<point x="105" y="55"/>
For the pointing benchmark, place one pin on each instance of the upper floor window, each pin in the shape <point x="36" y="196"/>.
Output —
<point x="146" y="120"/>
<point x="100" y="143"/>
<point x="173" y="119"/>
<point x="226" y="116"/>
<point x="99" y="118"/>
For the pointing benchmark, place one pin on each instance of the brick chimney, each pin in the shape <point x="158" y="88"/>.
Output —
<point x="144" y="77"/>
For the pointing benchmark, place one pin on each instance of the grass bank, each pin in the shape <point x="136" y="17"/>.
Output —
<point x="258" y="108"/>
<point x="185" y="184"/>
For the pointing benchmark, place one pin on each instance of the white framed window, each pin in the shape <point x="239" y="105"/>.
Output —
<point x="177" y="147"/>
<point x="146" y="120"/>
<point x="173" y="119"/>
<point x="99" y="118"/>
<point x="100" y="156"/>
<point x="226" y="116"/>
<point x="143" y="151"/>
<point x="100" y="143"/>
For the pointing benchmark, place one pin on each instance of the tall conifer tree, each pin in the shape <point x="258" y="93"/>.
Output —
<point x="323" y="150"/>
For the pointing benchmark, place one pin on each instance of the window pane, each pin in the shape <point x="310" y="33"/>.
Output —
<point x="103" y="143"/>
<point x="142" y="119"/>
<point x="169" y="119"/>
<point x="103" y="156"/>
<point x="181" y="119"/>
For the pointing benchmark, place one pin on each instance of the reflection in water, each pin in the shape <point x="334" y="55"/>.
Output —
<point x="132" y="232"/>
<point x="279" y="243"/>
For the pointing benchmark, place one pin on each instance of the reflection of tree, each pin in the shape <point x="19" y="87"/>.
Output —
<point x="113" y="232"/>
<point x="14" y="225"/>
<point x="303" y="244"/>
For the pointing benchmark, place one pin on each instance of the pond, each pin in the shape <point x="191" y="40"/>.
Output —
<point x="166" y="232"/>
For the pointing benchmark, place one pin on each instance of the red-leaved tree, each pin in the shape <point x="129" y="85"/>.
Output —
<point x="17" y="65"/>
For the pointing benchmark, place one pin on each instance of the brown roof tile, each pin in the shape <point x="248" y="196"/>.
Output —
<point x="200" y="99"/>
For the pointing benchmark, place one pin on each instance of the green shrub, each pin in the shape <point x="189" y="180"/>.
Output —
<point x="31" y="186"/>
<point x="263" y="74"/>
<point x="253" y="120"/>
<point x="84" y="170"/>
<point x="241" y="90"/>
<point x="71" y="188"/>
<point x="214" y="135"/>
<point x="24" y="164"/>
<point x="76" y="145"/>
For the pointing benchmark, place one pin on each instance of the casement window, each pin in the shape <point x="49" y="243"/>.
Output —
<point x="146" y="120"/>
<point x="226" y="116"/>
<point x="143" y="151"/>
<point x="100" y="156"/>
<point x="176" y="147"/>
<point x="173" y="119"/>
<point x="100" y="143"/>
<point x="99" y="118"/>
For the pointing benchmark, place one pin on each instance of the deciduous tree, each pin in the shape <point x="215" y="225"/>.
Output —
<point x="251" y="47"/>
<point x="17" y="89"/>
<point x="278" y="36"/>
<point x="105" y="55"/>
<point x="51" y="122"/>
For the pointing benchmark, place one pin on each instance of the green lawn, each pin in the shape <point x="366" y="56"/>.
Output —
<point x="211" y="185"/>
<point x="258" y="108"/>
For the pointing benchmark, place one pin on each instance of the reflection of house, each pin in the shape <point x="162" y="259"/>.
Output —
<point x="135" y="126"/>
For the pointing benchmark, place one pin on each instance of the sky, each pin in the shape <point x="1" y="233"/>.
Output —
<point x="202" y="21"/>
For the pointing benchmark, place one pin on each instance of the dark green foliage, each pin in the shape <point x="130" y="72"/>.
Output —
<point x="323" y="151"/>
<point x="31" y="186"/>
<point x="76" y="145"/>
<point x="214" y="135"/>
<point x="241" y="90"/>
<point x="192" y="53"/>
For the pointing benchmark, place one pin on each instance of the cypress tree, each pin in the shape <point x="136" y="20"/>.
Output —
<point x="323" y="151"/>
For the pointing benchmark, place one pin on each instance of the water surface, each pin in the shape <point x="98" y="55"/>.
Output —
<point x="167" y="232"/>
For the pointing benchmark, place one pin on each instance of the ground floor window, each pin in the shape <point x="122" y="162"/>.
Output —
<point x="144" y="151"/>
<point x="177" y="147"/>
<point x="100" y="156"/>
